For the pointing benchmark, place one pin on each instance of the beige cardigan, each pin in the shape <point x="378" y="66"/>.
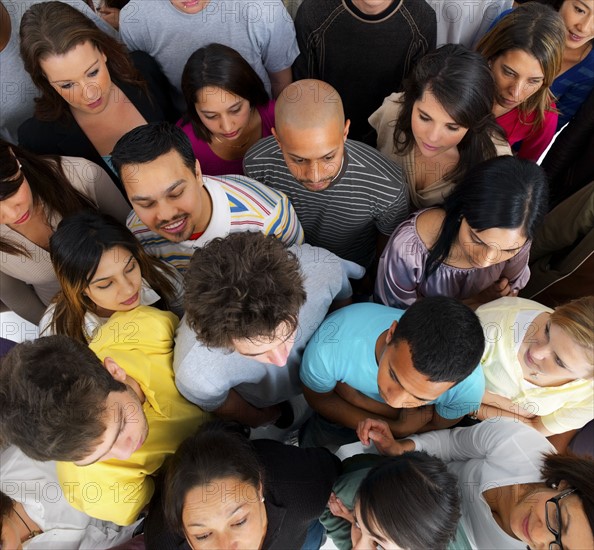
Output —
<point x="383" y="121"/>
<point x="27" y="284"/>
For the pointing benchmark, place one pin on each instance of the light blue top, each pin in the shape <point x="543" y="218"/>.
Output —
<point x="343" y="350"/>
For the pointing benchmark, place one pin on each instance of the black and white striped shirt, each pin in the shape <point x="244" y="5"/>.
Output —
<point x="368" y="196"/>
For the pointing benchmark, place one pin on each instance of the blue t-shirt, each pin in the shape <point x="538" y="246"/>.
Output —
<point x="343" y="350"/>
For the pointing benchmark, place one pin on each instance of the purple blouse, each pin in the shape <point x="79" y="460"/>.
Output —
<point x="401" y="272"/>
<point x="213" y="165"/>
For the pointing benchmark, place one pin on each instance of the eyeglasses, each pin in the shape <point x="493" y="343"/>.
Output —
<point x="553" y="517"/>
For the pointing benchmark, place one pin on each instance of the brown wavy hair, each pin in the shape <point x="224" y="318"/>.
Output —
<point x="242" y="286"/>
<point x="55" y="28"/>
<point x="47" y="180"/>
<point x="539" y="31"/>
<point x="462" y="83"/>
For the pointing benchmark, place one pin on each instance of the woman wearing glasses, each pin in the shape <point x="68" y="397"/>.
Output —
<point x="516" y="491"/>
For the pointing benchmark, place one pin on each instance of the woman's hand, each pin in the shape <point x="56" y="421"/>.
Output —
<point x="339" y="509"/>
<point x="379" y="432"/>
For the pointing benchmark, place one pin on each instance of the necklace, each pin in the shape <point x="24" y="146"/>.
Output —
<point x="32" y="532"/>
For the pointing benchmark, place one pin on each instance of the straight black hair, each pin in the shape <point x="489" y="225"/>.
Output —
<point x="504" y="192"/>
<point x="222" y="67"/>
<point x="149" y="142"/>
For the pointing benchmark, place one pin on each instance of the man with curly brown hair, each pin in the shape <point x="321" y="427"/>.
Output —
<point x="252" y="304"/>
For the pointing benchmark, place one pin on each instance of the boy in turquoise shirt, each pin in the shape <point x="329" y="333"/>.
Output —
<point x="416" y="369"/>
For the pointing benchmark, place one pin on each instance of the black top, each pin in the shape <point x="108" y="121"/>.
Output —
<point x="297" y="485"/>
<point x="65" y="137"/>
<point x="365" y="57"/>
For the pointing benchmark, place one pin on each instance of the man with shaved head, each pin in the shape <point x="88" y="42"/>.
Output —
<point x="348" y="197"/>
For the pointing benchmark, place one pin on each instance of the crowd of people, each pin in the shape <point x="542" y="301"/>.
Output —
<point x="301" y="270"/>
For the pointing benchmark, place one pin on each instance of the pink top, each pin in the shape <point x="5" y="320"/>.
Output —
<point x="534" y="140"/>
<point x="212" y="164"/>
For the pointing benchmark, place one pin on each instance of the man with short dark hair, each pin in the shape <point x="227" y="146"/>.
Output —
<point x="348" y="196"/>
<point x="415" y="369"/>
<point x="251" y="306"/>
<point x="177" y="209"/>
<point x="109" y="412"/>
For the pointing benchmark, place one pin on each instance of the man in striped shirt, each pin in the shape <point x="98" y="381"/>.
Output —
<point x="177" y="209"/>
<point x="348" y="196"/>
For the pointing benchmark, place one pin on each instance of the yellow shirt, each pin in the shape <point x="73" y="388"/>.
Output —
<point x="141" y="342"/>
<point x="504" y="322"/>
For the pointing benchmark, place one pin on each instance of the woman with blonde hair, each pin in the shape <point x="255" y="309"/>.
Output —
<point x="539" y="363"/>
<point x="525" y="52"/>
<point x="36" y="192"/>
<point x="92" y="90"/>
<point x="102" y="269"/>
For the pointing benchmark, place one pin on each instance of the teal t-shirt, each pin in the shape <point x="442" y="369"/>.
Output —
<point x="343" y="350"/>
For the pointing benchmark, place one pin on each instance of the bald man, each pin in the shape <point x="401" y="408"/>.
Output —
<point x="348" y="196"/>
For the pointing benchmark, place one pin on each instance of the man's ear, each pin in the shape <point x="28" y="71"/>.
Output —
<point x="391" y="331"/>
<point x="273" y="132"/>
<point x="117" y="372"/>
<point x="347" y="126"/>
<point x="198" y="170"/>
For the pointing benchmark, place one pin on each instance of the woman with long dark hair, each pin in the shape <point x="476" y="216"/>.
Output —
<point x="408" y="501"/>
<point x="228" y="109"/>
<point x="476" y="247"/>
<point x="441" y="125"/>
<point x="36" y="192"/>
<point x="574" y="83"/>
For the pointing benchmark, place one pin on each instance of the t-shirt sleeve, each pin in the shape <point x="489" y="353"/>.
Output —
<point x="505" y="443"/>
<point x="317" y="365"/>
<point x="390" y="217"/>
<point x="570" y="417"/>
<point x="464" y="398"/>
<point x="538" y="140"/>
<point x="201" y="379"/>
<point x="401" y="269"/>
<point x="93" y="182"/>
<point x="383" y="122"/>
<point x="106" y="491"/>
<point x="323" y="268"/>
<point x="276" y="34"/>
<point x="283" y="222"/>
<point x="21" y="298"/>
<point x="133" y="31"/>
